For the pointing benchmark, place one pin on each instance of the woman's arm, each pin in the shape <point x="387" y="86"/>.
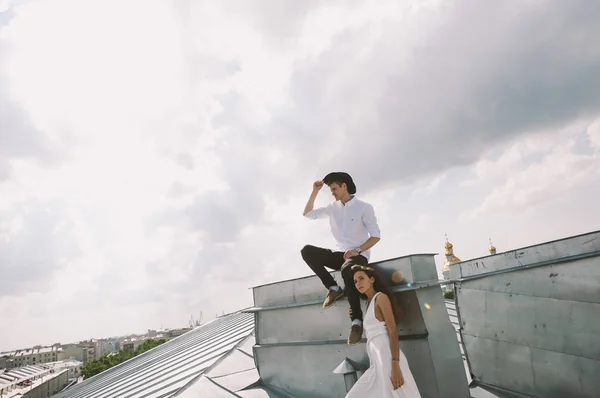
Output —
<point x="384" y="304"/>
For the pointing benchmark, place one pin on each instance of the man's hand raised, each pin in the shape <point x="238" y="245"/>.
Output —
<point x="317" y="185"/>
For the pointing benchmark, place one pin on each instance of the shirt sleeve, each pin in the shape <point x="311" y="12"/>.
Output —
<point x="320" y="212"/>
<point x="370" y="221"/>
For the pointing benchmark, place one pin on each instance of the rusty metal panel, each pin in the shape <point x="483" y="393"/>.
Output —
<point x="550" y="251"/>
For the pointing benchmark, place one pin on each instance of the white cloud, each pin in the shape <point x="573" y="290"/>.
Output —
<point x="155" y="156"/>
<point x="431" y="187"/>
<point x="92" y="77"/>
<point x="423" y="222"/>
<point x="5" y="5"/>
<point x="510" y="158"/>
<point x="593" y="132"/>
<point x="522" y="185"/>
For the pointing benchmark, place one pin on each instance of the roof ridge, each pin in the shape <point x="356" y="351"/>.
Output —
<point x="214" y="364"/>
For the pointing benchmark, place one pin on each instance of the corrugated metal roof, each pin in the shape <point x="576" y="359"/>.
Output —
<point x="235" y="375"/>
<point x="167" y="369"/>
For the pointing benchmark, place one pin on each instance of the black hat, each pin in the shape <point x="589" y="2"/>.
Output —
<point x="341" y="178"/>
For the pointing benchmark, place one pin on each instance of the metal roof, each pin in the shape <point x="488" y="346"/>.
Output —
<point x="173" y="366"/>
<point x="235" y="375"/>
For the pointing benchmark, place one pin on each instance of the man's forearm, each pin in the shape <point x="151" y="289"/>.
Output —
<point x="369" y="243"/>
<point x="311" y="202"/>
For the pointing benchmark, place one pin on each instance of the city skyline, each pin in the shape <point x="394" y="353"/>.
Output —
<point x="125" y="336"/>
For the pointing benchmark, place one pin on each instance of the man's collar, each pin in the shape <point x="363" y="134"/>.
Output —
<point x="350" y="202"/>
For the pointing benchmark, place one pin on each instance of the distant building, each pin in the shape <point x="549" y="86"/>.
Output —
<point x="87" y="350"/>
<point x="167" y="333"/>
<point x="492" y="248"/>
<point x="91" y="349"/>
<point x="450" y="259"/>
<point x="41" y="380"/>
<point x="132" y="343"/>
<point x="105" y="347"/>
<point x="177" y="332"/>
<point x="29" y="356"/>
<point x="73" y="351"/>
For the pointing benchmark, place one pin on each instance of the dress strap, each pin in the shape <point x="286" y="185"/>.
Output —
<point x="373" y="299"/>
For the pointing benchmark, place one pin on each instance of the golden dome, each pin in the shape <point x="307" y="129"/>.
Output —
<point x="492" y="248"/>
<point x="450" y="257"/>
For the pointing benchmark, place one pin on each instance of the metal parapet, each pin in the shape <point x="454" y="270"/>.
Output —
<point x="529" y="318"/>
<point x="291" y="324"/>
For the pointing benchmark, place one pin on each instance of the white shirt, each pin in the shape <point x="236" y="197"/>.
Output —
<point x="351" y="223"/>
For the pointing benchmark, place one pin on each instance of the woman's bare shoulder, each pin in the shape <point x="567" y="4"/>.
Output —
<point x="382" y="299"/>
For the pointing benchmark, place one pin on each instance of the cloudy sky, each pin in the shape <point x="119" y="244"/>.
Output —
<point x="155" y="156"/>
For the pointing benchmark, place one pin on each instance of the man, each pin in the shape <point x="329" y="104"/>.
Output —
<point x="354" y="227"/>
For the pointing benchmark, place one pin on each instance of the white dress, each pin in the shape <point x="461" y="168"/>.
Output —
<point x="376" y="382"/>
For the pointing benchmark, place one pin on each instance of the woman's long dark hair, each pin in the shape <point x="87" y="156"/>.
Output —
<point x="379" y="286"/>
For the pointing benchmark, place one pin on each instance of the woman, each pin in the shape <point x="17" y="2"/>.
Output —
<point x="388" y="375"/>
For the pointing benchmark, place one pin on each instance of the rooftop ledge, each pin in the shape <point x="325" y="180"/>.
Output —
<point x="394" y="289"/>
<point x="370" y="264"/>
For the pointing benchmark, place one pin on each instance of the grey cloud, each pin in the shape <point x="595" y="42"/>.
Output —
<point x="185" y="160"/>
<point x="19" y="138"/>
<point x="249" y="176"/>
<point x="484" y="75"/>
<point x="8" y="15"/>
<point x="224" y="214"/>
<point x="37" y="249"/>
<point x="221" y="215"/>
<point x="5" y="170"/>
<point x="177" y="189"/>
<point x="279" y="21"/>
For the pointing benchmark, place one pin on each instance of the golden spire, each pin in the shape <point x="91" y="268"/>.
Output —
<point x="492" y="248"/>
<point x="450" y="257"/>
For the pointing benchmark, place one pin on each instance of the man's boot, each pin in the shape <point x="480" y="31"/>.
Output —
<point x="332" y="296"/>
<point x="355" y="336"/>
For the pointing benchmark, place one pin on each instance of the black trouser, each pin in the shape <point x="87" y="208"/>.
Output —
<point x="318" y="258"/>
